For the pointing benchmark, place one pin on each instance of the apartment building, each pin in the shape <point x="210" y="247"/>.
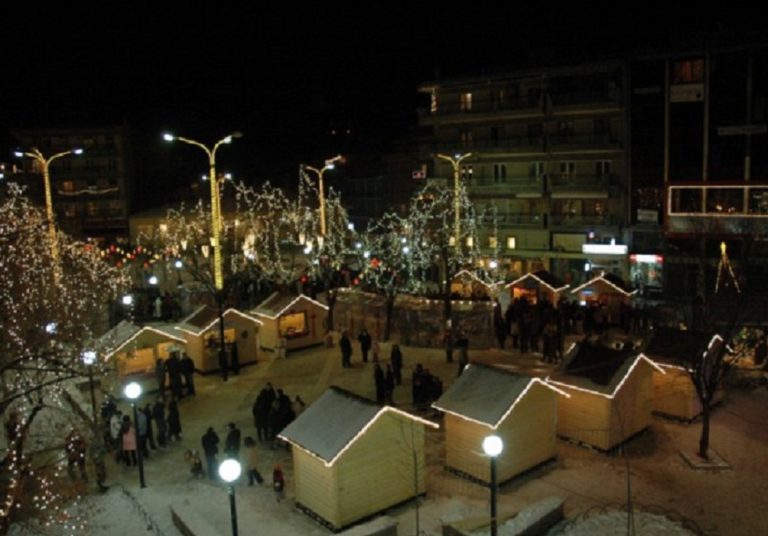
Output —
<point x="548" y="164"/>
<point x="91" y="191"/>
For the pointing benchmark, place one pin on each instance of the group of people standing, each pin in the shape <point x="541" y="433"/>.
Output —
<point x="368" y="344"/>
<point x="172" y="371"/>
<point x="272" y="411"/>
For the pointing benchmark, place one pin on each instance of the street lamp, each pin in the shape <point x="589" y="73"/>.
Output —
<point x="89" y="359"/>
<point x="492" y="446"/>
<point x="229" y="471"/>
<point x="216" y="219"/>
<point x="45" y="164"/>
<point x="132" y="392"/>
<point x="455" y="162"/>
<point x="329" y="164"/>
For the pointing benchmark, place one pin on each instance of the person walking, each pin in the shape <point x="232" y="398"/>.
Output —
<point x="365" y="344"/>
<point x="396" y="359"/>
<point x="129" y="442"/>
<point x="210" y="441"/>
<point x="252" y="461"/>
<point x="188" y="371"/>
<point x="232" y="441"/>
<point x="174" y="420"/>
<point x="346" y="350"/>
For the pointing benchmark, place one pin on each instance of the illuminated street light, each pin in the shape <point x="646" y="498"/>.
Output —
<point x="45" y="165"/>
<point x="329" y="164"/>
<point x="455" y="162"/>
<point x="132" y="392"/>
<point x="216" y="219"/>
<point x="492" y="446"/>
<point x="229" y="471"/>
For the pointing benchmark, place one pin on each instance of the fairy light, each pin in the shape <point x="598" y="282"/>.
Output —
<point x="601" y="278"/>
<point x="197" y="331"/>
<point x="536" y="278"/>
<point x="46" y="330"/>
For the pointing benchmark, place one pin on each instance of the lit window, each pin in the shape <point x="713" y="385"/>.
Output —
<point x="465" y="136"/>
<point x="688" y="71"/>
<point x="492" y="242"/>
<point x="511" y="242"/>
<point x="433" y="102"/>
<point x="163" y="228"/>
<point x="466" y="172"/>
<point x="68" y="186"/>
<point x="499" y="173"/>
<point x="567" y="169"/>
<point x="465" y="102"/>
<point x="452" y="241"/>
<point x="470" y="241"/>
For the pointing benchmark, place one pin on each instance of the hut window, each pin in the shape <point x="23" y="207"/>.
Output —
<point x="293" y="325"/>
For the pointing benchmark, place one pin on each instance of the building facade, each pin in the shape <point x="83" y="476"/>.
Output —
<point x="547" y="164"/>
<point x="91" y="192"/>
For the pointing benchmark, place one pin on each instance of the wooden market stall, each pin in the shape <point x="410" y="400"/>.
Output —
<point x="202" y="333"/>
<point x="485" y="400"/>
<point x="611" y="394"/>
<point x="536" y="286"/>
<point x="353" y="458"/>
<point x="674" y="394"/>
<point x="135" y="349"/>
<point x="298" y="320"/>
<point x="609" y="291"/>
<point x="467" y="286"/>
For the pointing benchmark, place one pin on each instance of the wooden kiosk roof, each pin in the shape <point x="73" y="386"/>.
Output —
<point x="205" y="317"/>
<point x="543" y="277"/>
<point x="277" y="303"/>
<point x="327" y="428"/>
<point x="486" y="394"/>
<point x="612" y="281"/>
<point x="125" y="332"/>
<point x="597" y="369"/>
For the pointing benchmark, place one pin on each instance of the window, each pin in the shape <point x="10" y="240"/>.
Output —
<point x="465" y="136"/>
<point x="466" y="172"/>
<point x="92" y="208"/>
<point x="293" y="325"/>
<point x="465" y="102"/>
<point x="511" y="242"/>
<point x="567" y="169"/>
<point x="68" y="186"/>
<point x="565" y="128"/>
<point x="496" y="134"/>
<point x="497" y="98"/>
<point x="688" y="71"/>
<point x="536" y="170"/>
<point x="470" y="241"/>
<point x="493" y="242"/>
<point x="499" y="173"/>
<point x="602" y="168"/>
<point x="433" y="102"/>
<point x="600" y="126"/>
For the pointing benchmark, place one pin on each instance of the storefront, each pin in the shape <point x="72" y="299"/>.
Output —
<point x="537" y="286"/>
<point x="134" y="350"/>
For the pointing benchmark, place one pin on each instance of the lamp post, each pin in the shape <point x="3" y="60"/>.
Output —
<point x="89" y="359"/>
<point x="229" y="471"/>
<point x="216" y="219"/>
<point x="329" y="164"/>
<point x="45" y="163"/>
<point x="492" y="446"/>
<point x="455" y="162"/>
<point x="132" y="391"/>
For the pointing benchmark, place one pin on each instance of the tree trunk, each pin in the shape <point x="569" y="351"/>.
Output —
<point x="389" y="309"/>
<point x="704" y="438"/>
<point x="447" y="312"/>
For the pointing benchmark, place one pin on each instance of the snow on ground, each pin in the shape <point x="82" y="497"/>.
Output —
<point x="720" y="502"/>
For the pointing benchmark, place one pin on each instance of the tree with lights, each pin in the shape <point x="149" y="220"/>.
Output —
<point x="52" y="309"/>
<point x="431" y="219"/>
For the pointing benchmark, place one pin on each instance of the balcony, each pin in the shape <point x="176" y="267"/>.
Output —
<point x="583" y="142"/>
<point x="482" y="109"/>
<point x="561" y="186"/>
<point x="504" y="145"/>
<point x="514" y="219"/>
<point x="581" y="220"/>
<point x="533" y="186"/>
<point x="590" y="100"/>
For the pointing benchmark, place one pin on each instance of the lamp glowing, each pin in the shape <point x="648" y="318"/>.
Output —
<point x="168" y="137"/>
<point x="178" y="264"/>
<point x="127" y="300"/>
<point x="230" y="470"/>
<point x="132" y="391"/>
<point x="493" y="445"/>
<point x="50" y="328"/>
<point x="153" y="280"/>
<point x="77" y="151"/>
<point x="88" y="357"/>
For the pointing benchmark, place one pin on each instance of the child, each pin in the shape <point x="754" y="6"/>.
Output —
<point x="278" y="481"/>
<point x="195" y="463"/>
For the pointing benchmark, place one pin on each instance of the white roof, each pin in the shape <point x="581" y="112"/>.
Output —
<point x="327" y="428"/>
<point x="125" y="332"/>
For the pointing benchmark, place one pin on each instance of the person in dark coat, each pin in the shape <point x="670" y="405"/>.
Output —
<point x="365" y="344"/>
<point x="234" y="360"/>
<point x="261" y="410"/>
<point x="188" y="371"/>
<point x="150" y="431"/>
<point x="232" y="442"/>
<point x="378" y="379"/>
<point x="158" y="412"/>
<point x="396" y="359"/>
<point x="173" y="366"/>
<point x="223" y="365"/>
<point x="160" y="376"/>
<point x="210" y="442"/>
<point x="346" y="350"/>
<point x="389" y="385"/>
<point x="174" y="420"/>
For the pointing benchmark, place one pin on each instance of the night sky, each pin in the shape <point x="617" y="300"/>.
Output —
<point x="284" y="75"/>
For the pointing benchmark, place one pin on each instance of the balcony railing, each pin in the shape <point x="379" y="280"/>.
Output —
<point x="563" y="183"/>
<point x="503" y="145"/>
<point x="581" y="98"/>
<point x="514" y="219"/>
<point x="522" y="104"/>
<point x="507" y="185"/>
<point x="581" y="141"/>
<point x="565" y="220"/>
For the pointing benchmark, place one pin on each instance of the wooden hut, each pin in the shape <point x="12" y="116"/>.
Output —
<point x="674" y="394"/>
<point x="202" y="333"/>
<point x="135" y="349"/>
<point x="298" y="320"/>
<point x="353" y="458"/>
<point x="609" y="291"/>
<point x="611" y="392"/>
<point x="467" y="286"/>
<point x="484" y="400"/>
<point x="536" y="286"/>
